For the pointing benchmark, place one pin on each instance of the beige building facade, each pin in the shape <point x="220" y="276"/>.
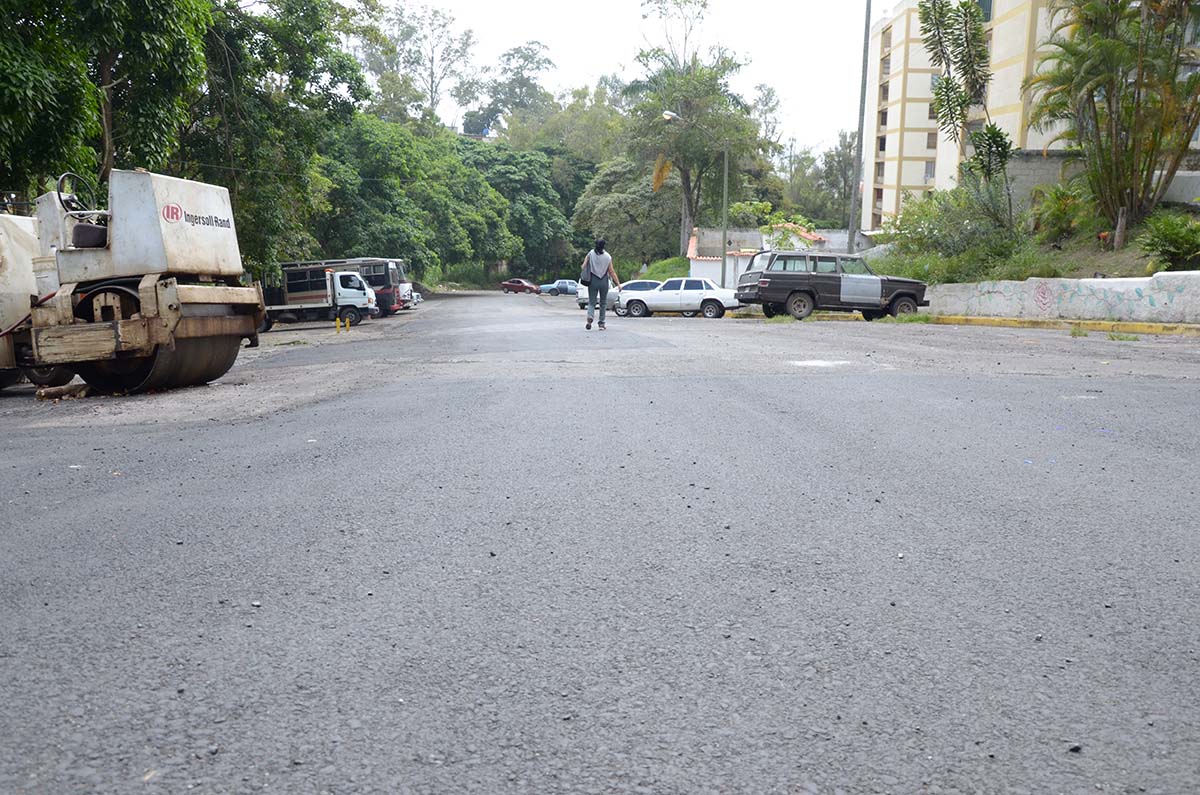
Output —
<point x="905" y="153"/>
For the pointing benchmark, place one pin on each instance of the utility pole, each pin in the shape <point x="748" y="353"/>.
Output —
<point x="855" y="195"/>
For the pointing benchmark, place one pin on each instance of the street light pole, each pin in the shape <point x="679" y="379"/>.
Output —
<point x="725" y="215"/>
<point x="855" y="197"/>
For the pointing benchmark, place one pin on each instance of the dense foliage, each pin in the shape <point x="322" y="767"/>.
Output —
<point x="321" y="117"/>
<point x="1119" y="79"/>
<point x="1173" y="240"/>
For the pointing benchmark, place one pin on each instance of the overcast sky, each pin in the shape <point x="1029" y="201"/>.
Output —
<point x="810" y="51"/>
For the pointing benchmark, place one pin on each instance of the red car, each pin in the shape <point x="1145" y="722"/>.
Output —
<point x="519" y="286"/>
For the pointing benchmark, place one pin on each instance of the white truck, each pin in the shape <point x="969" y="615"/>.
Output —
<point x="311" y="291"/>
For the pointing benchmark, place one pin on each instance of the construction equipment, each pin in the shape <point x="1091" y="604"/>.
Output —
<point x="145" y="295"/>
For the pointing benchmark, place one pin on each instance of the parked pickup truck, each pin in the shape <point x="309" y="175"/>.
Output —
<point x="797" y="282"/>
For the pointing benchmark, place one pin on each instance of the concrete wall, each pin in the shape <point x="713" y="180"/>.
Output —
<point x="1185" y="188"/>
<point x="1162" y="298"/>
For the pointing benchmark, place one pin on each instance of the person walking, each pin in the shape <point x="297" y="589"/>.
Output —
<point x="597" y="270"/>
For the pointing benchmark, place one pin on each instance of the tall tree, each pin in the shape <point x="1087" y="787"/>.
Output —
<point x="514" y="90"/>
<point x="837" y="175"/>
<point x="533" y="205"/>
<point x="1121" y="80"/>
<point x="953" y="35"/>
<point x="438" y="55"/>
<point x="621" y="205"/>
<point x="277" y="80"/>
<point x="121" y="70"/>
<point x="709" y="115"/>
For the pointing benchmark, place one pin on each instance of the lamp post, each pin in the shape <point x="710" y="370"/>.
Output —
<point x="673" y="117"/>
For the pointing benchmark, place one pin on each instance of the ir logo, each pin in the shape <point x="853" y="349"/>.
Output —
<point x="172" y="213"/>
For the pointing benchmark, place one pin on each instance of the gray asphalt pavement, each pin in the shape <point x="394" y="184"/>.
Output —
<point x="478" y="549"/>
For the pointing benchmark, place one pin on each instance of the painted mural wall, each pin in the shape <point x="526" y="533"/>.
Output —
<point x="1162" y="298"/>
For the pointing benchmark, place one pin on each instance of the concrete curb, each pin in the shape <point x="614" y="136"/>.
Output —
<point x="1115" y="326"/>
<point x="1120" y="327"/>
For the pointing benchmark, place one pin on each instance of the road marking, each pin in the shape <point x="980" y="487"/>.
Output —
<point x="1077" y="397"/>
<point x="821" y="363"/>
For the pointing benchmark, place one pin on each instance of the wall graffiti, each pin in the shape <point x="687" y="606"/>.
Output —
<point x="1163" y="298"/>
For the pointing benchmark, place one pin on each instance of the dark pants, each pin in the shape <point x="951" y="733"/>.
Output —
<point x="597" y="288"/>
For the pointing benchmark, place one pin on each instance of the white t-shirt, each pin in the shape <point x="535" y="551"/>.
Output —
<point x="599" y="263"/>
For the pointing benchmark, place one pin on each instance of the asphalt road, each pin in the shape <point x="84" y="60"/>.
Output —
<point x="478" y="549"/>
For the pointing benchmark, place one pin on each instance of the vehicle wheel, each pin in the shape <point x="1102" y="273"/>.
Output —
<point x="49" y="376"/>
<point x="800" y="305"/>
<point x="903" y="306"/>
<point x="688" y="314"/>
<point x="506" y="291"/>
<point x="554" y="291"/>
<point x="712" y="309"/>
<point x="9" y="378"/>
<point x="620" y="311"/>
<point x="351" y="315"/>
<point x="769" y="310"/>
<point x="637" y="309"/>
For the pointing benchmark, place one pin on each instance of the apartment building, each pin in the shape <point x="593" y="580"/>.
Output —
<point x="906" y="153"/>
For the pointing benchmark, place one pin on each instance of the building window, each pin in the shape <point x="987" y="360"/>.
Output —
<point x="879" y="169"/>
<point x="879" y="198"/>
<point x="885" y="40"/>
<point x="876" y="221"/>
<point x="932" y="111"/>
<point x="883" y="93"/>
<point x="931" y="140"/>
<point x="883" y="143"/>
<point x="883" y="119"/>
<point x="986" y="6"/>
<point x="930" y="170"/>
<point x="885" y="67"/>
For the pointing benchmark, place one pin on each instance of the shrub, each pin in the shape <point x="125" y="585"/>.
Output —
<point x="1173" y="239"/>
<point x="965" y="219"/>
<point x="471" y="274"/>
<point x="1065" y="210"/>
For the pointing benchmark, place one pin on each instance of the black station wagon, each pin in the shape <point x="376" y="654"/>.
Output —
<point x="797" y="282"/>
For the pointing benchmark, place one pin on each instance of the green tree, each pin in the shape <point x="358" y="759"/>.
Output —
<point x="120" y="69"/>
<point x="277" y="80"/>
<point x="710" y="114"/>
<point x="954" y="37"/>
<point x="396" y="192"/>
<point x="49" y="108"/>
<point x="621" y="206"/>
<point x="514" y="90"/>
<point x="533" y="205"/>
<point x="837" y="176"/>
<point x="1119" y="79"/>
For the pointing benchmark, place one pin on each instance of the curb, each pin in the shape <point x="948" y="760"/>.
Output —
<point x="1116" y="326"/>
<point x="1126" y="327"/>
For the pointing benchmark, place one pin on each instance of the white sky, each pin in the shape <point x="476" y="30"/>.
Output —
<point x="810" y="51"/>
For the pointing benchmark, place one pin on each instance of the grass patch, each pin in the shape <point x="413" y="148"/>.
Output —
<point x="915" y="317"/>
<point x="1077" y="258"/>
<point x="668" y="269"/>
<point x="1078" y="331"/>
<point x="1118" y="337"/>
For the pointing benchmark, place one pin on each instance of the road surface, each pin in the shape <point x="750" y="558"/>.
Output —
<point x="478" y="549"/>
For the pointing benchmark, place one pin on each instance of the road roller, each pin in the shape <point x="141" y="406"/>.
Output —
<point x="146" y="294"/>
